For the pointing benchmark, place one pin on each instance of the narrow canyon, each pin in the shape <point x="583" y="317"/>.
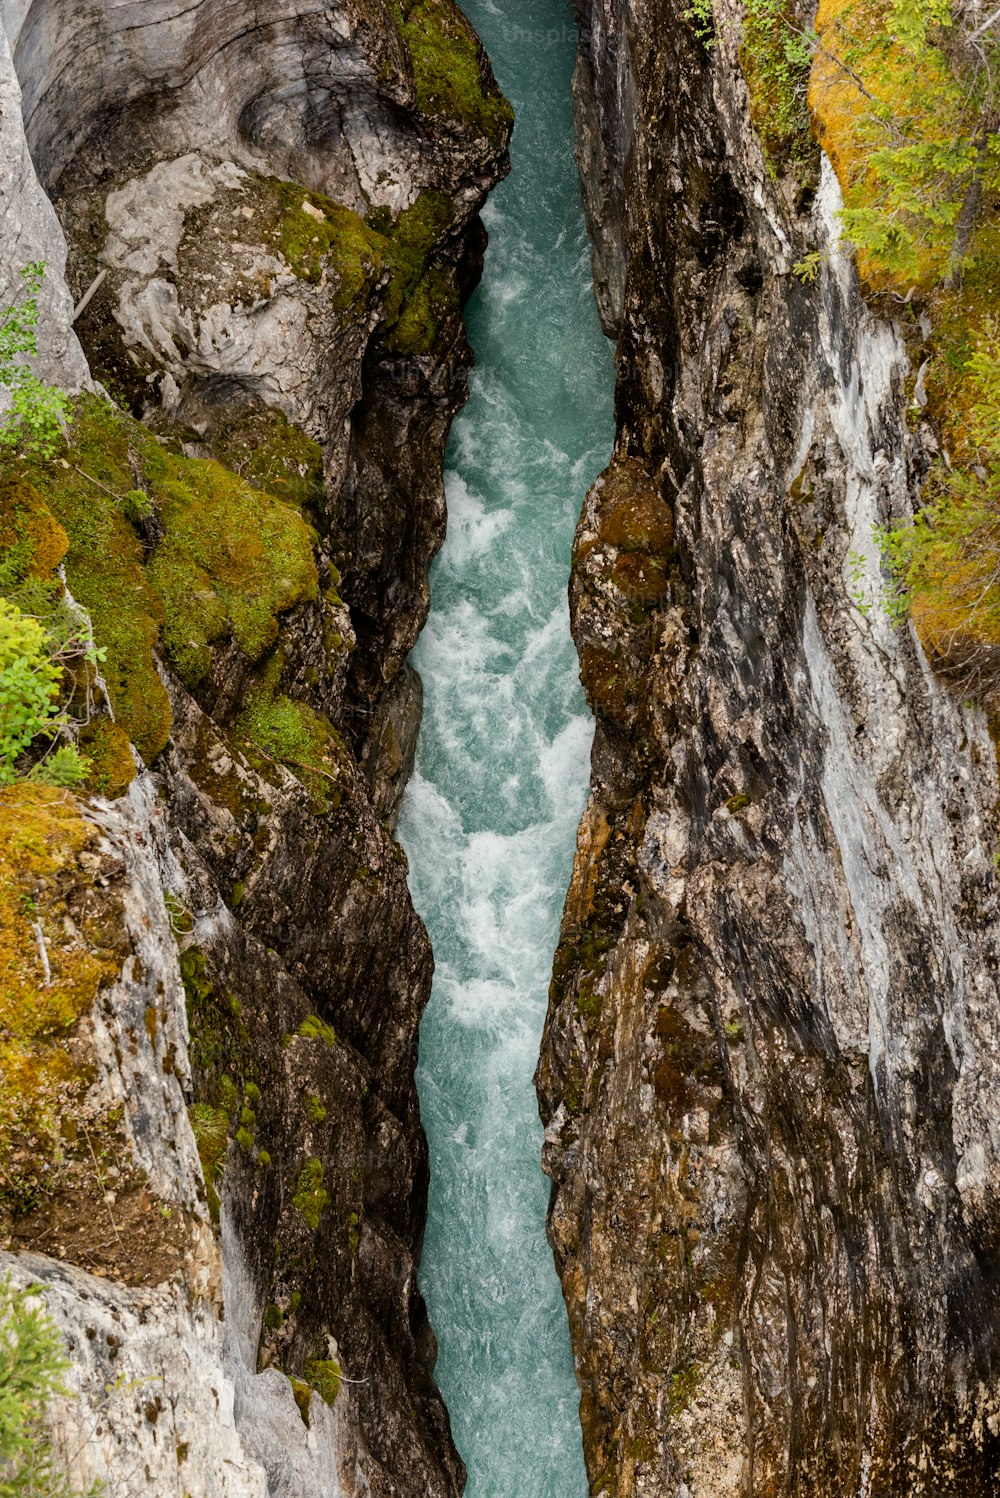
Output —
<point x="296" y="300"/>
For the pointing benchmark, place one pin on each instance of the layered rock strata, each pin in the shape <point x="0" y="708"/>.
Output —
<point x="272" y="225"/>
<point x="769" y="1074"/>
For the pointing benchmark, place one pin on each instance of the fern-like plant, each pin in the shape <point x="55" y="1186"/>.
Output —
<point x="33" y="1365"/>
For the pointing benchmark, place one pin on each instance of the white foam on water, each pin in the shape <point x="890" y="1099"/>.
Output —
<point x="490" y="815"/>
<point x="472" y="528"/>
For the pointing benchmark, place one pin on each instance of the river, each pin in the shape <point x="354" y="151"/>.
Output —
<point x="490" y="816"/>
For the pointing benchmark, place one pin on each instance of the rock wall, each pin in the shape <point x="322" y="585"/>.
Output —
<point x="276" y="220"/>
<point x="769" y="1072"/>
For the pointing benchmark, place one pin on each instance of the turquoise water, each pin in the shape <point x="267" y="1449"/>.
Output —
<point x="490" y="816"/>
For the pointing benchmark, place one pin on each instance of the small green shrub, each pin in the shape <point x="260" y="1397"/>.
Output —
<point x="776" y="59"/>
<point x="30" y="679"/>
<point x="37" y="419"/>
<point x="65" y="767"/>
<point x="137" y="506"/>
<point x="701" y="16"/>
<point x="29" y="685"/>
<point x="904" y="99"/>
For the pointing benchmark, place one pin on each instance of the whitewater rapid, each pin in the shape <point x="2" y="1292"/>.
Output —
<point x="490" y="816"/>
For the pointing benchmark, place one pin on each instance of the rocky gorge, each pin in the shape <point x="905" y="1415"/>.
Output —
<point x="769" y="1072"/>
<point x="769" y="1069"/>
<point x="257" y="230"/>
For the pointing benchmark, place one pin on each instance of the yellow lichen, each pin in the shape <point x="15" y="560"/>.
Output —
<point x="42" y="880"/>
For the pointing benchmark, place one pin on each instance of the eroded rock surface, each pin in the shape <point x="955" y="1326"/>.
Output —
<point x="769" y="1073"/>
<point x="273" y="223"/>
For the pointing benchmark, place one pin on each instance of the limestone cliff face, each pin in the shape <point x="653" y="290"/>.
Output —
<point x="275" y="215"/>
<point x="769" y="1074"/>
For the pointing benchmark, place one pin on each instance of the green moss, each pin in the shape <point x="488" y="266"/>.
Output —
<point x="315" y="1112"/>
<point x="432" y="301"/>
<point x="303" y="1397"/>
<point x="287" y="730"/>
<point x="42" y="837"/>
<point x="272" y="455"/>
<point x="104" y="565"/>
<point x="230" y="562"/>
<point x="589" y="1005"/>
<point x="219" y="1047"/>
<point x="273" y="1318"/>
<point x="354" y="1233"/>
<point x="324" y="1375"/>
<point x="211" y="1135"/>
<point x="112" y="768"/>
<point x="411" y="241"/>
<point x="197" y="985"/>
<point x="291" y="733"/>
<point x="420" y="297"/>
<point x="314" y="1028"/>
<point x="739" y="803"/>
<point x="450" y="76"/>
<point x="340" y="242"/>
<point x="682" y="1389"/>
<point x="311" y="1198"/>
<point x="32" y="542"/>
<point x="357" y="254"/>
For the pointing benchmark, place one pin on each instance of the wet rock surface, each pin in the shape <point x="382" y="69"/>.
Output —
<point x="277" y="224"/>
<point x="768" y="1076"/>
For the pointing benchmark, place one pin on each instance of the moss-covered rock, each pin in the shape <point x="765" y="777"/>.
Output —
<point x="46" y="1067"/>
<point x="112" y="768"/>
<point x="32" y="542"/>
<point x="264" y="448"/>
<point x="450" y="73"/>
<point x="228" y="562"/>
<point x="315" y="234"/>
<point x="311" y="1198"/>
<point x="324" y="1376"/>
